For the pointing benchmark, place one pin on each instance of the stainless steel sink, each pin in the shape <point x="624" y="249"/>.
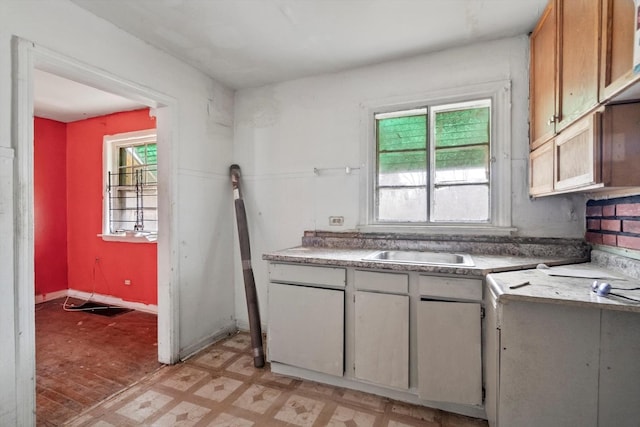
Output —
<point x="419" y="257"/>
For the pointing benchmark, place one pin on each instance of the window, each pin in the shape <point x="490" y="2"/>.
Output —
<point x="433" y="164"/>
<point x="131" y="177"/>
<point x="440" y="162"/>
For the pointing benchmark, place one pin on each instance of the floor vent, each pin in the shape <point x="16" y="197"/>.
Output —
<point x="100" y="309"/>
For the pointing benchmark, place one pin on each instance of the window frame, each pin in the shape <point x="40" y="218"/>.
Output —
<point x="110" y="154"/>
<point x="499" y="165"/>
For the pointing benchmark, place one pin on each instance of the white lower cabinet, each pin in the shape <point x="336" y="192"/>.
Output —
<point x="619" y="394"/>
<point x="548" y="374"/>
<point x="306" y="327"/>
<point x="382" y="339"/>
<point x="561" y="365"/>
<point x="370" y="330"/>
<point x="450" y="340"/>
<point x="450" y="352"/>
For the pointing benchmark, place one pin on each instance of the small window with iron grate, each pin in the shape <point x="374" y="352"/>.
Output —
<point x="131" y="190"/>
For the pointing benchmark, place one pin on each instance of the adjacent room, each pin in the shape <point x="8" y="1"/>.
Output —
<point x="320" y="213"/>
<point x="95" y="206"/>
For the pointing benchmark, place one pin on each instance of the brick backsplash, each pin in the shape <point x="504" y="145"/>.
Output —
<point x="614" y="222"/>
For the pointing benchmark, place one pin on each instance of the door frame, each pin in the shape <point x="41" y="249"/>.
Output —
<point x="28" y="56"/>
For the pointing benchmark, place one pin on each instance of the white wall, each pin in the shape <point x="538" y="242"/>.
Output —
<point x="201" y="151"/>
<point x="283" y="131"/>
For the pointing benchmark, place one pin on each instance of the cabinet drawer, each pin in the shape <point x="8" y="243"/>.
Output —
<point x="391" y="283"/>
<point x="450" y="288"/>
<point x="305" y="275"/>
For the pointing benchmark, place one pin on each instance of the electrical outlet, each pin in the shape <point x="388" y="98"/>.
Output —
<point x="127" y="282"/>
<point x="336" y="220"/>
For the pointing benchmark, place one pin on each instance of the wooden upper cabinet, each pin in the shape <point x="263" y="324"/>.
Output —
<point x="579" y="38"/>
<point x="543" y="77"/>
<point x="618" y="21"/>
<point x="565" y="53"/>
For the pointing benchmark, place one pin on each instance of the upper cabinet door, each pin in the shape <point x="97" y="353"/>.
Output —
<point x="618" y="21"/>
<point x="543" y="77"/>
<point x="579" y="36"/>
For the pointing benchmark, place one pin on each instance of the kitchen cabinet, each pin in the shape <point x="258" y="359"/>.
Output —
<point x="548" y="365"/>
<point x="306" y="322"/>
<point x="542" y="79"/>
<point x="401" y="334"/>
<point x="619" y="384"/>
<point x="597" y="153"/>
<point x="561" y="365"/>
<point x="541" y="169"/>
<point x="450" y="340"/>
<point x="564" y="66"/>
<point x="382" y="328"/>
<point x="570" y="161"/>
<point x="618" y="25"/>
<point x="576" y="154"/>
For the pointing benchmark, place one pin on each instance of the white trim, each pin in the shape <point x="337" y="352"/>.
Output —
<point x="500" y="204"/>
<point x="103" y="299"/>
<point x="111" y="300"/>
<point x="27" y="56"/>
<point x="40" y="298"/>
<point x="457" y="230"/>
<point x="110" y="150"/>
<point x="125" y="237"/>
<point x="7" y="153"/>
<point x="24" y="231"/>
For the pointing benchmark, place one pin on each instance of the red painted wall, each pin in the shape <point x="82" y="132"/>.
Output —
<point x="50" y="205"/>
<point x="95" y="265"/>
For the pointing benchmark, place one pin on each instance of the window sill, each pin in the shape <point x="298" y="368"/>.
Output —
<point x="465" y="230"/>
<point x="130" y="237"/>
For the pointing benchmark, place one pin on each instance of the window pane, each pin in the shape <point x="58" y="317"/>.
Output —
<point x="402" y="204"/>
<point x="134" y="199"/>
<point x="403" y="168"/>
<point x="402" y="133"/>
<point x="461" y="203"/>
<point x="462" y="127"/>
<point x="468" y="164"/>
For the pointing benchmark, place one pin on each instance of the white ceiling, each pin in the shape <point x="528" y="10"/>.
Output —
<point x="250" y="43"/>
<point x="66" y="101"/>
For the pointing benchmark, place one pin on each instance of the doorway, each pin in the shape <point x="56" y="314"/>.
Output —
<point x="31" y="57"/>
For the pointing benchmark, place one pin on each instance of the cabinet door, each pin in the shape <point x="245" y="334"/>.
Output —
<point x="577" y="155"/>
<point x="619" y="395"/>
<point x="306" y="327"/>
<point x="618" y="23"/>
<point x="541" y="169"/>
<point x="449" y="352"/>
<point x="382" y="339"/>
<point x="620" y="148"/>
<point x="543" y="78"/>
<point x="548" y="365"/>
<point x="579" y="23"/>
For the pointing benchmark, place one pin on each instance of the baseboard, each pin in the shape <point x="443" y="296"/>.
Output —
<point x="111" y="300"/>
<point x="243" y="326"/>
<point x="50" y="296"/>
<point x="221" y="333"/>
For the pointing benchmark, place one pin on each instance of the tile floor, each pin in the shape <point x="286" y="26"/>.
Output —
<point x="220" y="387"/>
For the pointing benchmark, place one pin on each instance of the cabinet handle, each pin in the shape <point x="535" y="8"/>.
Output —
<point x="551" y="120"/>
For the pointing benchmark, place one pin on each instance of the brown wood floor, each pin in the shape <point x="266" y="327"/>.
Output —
<point x="83" y="358"/>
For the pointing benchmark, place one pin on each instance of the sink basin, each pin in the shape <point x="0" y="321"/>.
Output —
<point x="419" y="257"/>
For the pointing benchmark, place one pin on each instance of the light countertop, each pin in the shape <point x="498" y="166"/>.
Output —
<point x="574" y="291"/>
<point x="483" y="264"/>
